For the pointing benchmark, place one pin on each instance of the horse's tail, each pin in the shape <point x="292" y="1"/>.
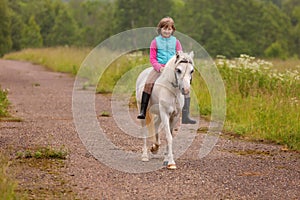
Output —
<point x="150" y="125"/>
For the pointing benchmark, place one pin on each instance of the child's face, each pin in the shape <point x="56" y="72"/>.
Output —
<point x="166" y="31"/>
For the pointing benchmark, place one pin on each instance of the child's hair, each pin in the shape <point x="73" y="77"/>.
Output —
<point x="166" y="22"/>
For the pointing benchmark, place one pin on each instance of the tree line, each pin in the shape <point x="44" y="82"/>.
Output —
<point x="262" y="28"/>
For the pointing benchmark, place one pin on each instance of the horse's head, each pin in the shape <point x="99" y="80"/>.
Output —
<point x="184" y="68"/>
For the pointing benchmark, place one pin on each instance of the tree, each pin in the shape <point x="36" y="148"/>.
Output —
<point x="5" y="33"/>
<point x="292" y="9"/>
<point x="65" y="30"/>
<point x="17" y="28"/>
<point x="275" y="50"/>
<point x="95" y="20"/>
<point x="45" y="18"/>
<point x="233" y="27"/>
<point x="140" y="13"/>
<point x="31" y="36"/>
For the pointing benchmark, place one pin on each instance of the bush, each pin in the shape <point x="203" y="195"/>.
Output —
<point x="276" y="50"/>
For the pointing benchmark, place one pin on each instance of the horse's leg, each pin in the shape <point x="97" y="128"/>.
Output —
<point x="155" y="147"/>
<point x="166" y="123"/>
<point x="166" y="159"/>
<point x="173" y="123"/>
<point x="145" y="156"/>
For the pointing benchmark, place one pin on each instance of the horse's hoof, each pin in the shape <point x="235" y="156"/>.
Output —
<point x="144" y="159"/>
<point x="165" y="163"/>
<point x="154" y="148"/>
<point x="171" y="166"/>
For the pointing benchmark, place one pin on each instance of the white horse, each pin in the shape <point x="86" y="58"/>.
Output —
<point x="166" y="102"/>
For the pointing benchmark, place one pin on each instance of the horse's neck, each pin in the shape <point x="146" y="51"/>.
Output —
<point x="168" y="75"/>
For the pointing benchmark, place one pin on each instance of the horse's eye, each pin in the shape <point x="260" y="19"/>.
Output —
<point x="178" y="71"/>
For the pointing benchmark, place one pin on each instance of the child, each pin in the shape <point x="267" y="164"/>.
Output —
<point x="162" y="48"/>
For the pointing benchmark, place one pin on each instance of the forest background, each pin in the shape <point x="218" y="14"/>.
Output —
<point x="260" y="28"/>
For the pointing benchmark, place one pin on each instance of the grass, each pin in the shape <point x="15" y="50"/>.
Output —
<point x="262" y="96"/>
<point x="263" y="99"/>
<point x="7" y="183"/>
<point x="46" y="159"/>
<point x="4" y="103"/>
<point x="105" y="114"/>
<point x="48" y="162"/>
<point x="59" y="59"/>
<point x="43" y="153"/>
<point x="43" y="158"/>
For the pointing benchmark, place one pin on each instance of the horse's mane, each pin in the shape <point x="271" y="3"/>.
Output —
<point x="180" y="56"/>
<point x="169" y="69"/>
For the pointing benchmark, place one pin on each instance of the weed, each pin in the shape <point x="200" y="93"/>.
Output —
<point x="4" y="103"/>
<point x="36" y="84"/>
<point x="7" y="184"/>
<point x="43" y="153"/>
<point x="105" y="114"/>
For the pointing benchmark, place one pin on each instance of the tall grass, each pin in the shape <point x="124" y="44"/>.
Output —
<point x="7" y="184"/>
<point x="262" y="96"/>
<point x="263" y="102"/>
<point x="118" y="68"/>
<point x="59" y="59"/>
<point x="4" y="103"/>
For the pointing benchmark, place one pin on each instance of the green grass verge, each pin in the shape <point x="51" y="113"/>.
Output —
<point x="60" y="59"/>
<point x="7" y="183"/>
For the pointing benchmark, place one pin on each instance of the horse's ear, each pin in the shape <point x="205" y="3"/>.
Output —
<point x="177" y="55"/>
<point x="192" y="54"/>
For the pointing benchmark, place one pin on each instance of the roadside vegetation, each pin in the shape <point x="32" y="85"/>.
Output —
<point x="4" y="103"/>
<point x="7" y="183"/>
<point x="48" y="159"/>
<point x="262" y="96"/>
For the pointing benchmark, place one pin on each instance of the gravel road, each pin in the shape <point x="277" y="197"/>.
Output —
<point x="234" y="169"/>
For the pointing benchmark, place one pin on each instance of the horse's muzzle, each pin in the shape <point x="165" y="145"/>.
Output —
<point x="185" y="91"/>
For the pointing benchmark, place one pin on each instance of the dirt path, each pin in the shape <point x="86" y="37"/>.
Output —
<point x="233" y="170"/>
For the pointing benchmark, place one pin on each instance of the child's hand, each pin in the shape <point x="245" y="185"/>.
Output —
<point x="161" y="69"/>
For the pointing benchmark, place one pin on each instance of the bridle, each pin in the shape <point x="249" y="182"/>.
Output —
<point x="175" y="85"/>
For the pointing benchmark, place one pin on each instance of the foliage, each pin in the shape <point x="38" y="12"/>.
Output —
<point x="65" y="30"/>
<point x="233" y="27"/>
<point x="31" y="36"/>
<point x="95" y="20"/>
<point x="4" y="103"/>
<point x="61" y="59"/>
<point x="5" y="22"/>
<point x="17" y="26"/>
<point x="43" y="153"/>
<point x="7" y="184"/>
<point x="224" y="27"/>
<point x="268" y="98"/>
<point x="142" y="13"/>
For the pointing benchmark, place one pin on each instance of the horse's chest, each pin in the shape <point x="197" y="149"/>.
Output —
<point x="173" y="106"/>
